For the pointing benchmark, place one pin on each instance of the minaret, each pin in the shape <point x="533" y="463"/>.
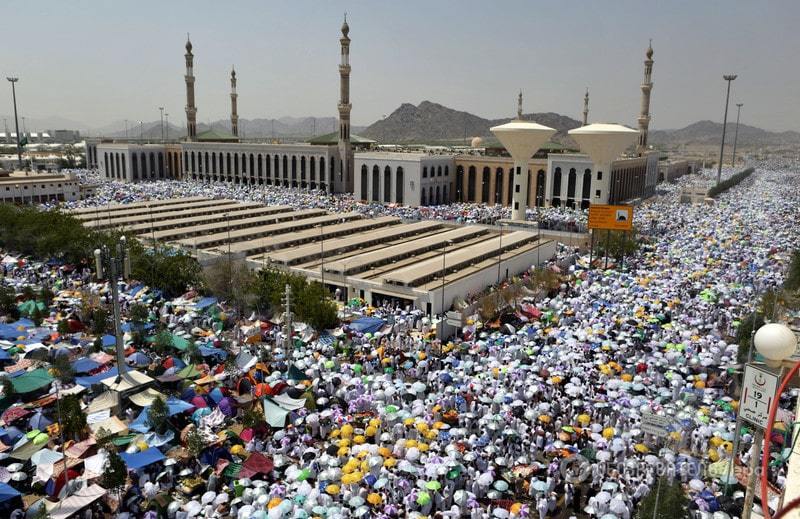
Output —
<point x="344" y="183"/>
<point x="586" y="107"/>
<point x="191" y="110"/>
<point x="647" y="87"/>
<point x="234" y="95"/>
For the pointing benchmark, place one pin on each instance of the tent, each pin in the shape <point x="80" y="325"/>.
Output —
<point x="128" y="380"/>
<point x="146" y="397"/>
<point x="138" y="460"/>
<point x="367" y="325"/>
<point x="188" y="372"/>
<point x="174" y="406"/>
<point x="205" y="302"/>
<point x="98" y="378"/>
<point x="274" y="414"/>
<point x="106" y="400"/>
<point x="217" y="353"/>
<point x="85" y="365"/>
<point x="10" y="498"/>
<point x="77" y="501"/>
<point x="257" y="463"/>
<point x="31" y="381"/>
<point x="111" y="424"/>
<point x="180" y="343"/>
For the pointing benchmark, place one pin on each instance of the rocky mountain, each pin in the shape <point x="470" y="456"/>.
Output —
<point x="431" y="122"/>
<point x="709" y="132"/>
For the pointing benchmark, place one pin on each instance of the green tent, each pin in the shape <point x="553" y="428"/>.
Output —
<point x="188" y="372"/>
<point x="28" y="307"/>
<point x="31" y="381"/>
<point x="180" y="343"/>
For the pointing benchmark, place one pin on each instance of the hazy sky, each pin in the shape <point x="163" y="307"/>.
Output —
<point x="100" y="61"/>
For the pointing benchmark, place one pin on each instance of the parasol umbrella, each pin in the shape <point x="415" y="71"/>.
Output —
<point x="423" y="498"/>
<point x="433" y="485"/>
<point x="603" y="497"/>
<point x="540" y="486"/>
<point x="618" y="507"/>
<point x="697" y="485"/>
<point x="610" y="486"/>
<point x="500" y="485"/>
<point x="356" y="501"/>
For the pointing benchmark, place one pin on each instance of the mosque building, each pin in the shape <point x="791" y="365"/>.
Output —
<point x="557" y="176"/>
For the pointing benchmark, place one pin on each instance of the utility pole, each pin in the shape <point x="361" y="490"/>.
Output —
<point x="736" y="134"/>
<point x="13" y="81"/>
<point x="728" y="78"/>
<point x="118" y="266"/>
<point x="288" y="318"/>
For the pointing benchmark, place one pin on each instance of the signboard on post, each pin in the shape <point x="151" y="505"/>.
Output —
<point x="454" y="319"/>
<point x="611" y="217"/>
<point x="656" y="425"/>
<point x="758" y="392"/>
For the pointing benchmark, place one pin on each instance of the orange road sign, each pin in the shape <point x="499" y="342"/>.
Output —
<point x="611" y="217"/>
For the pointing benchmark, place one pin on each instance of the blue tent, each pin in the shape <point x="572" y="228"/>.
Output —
<point x="109" y="340"/>
<point x="7" y="493"/>
<point x="4" y="355"/>
<point x="96" y="379"/>
<point x="367" y="325"/>
<point x="38" y="421"/>
<point x="10" y="435"/>
<point x="211" y="455"/>
<point x="138" y="359"/>
<point x="85" y="365"/>
<point x="138" y="460"/>
<point x="216" y="353"/>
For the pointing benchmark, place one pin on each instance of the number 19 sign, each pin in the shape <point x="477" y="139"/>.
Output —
<point x="758" y="392"/>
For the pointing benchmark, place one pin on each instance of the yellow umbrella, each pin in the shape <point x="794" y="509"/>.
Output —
<point x="423" y="447"/>
<point x="627" y="377"/>
<point x="608" y="432"/>
<point x="342" y="451"/>
<point x="411" y="443"/>
<point x="359" y="440"/>
<point x="385" y="452"/>
<point x="389" y="463"/>
<point x="431" y="435"/>
<point x="544" y="418"/>
<point x="515" y="508"/>
<point x="408" y="421"/>
<point x="422" y="427"/>
<point x="347" y="431"/>
<point x="332" y="489"/>
<point x="374" y="422"/>
<point x="438" y="425"/>
<point x="715" y="441"/>
<point x="584" y="419"/>
<point x="641" y="448"/>
<point x="371" y="431"/>
<point x="374" y="499"/>
<point x="275" y="501"/>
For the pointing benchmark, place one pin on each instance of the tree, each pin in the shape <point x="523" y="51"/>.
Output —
<point x="195" y="442"/>
<point x="8" y="304"/>
<point x="73" y="419"/>
<point x="115" y="473"/>
<point x="63" y="327"/>
<point x="157" y="415"/>
<point x="103" y="437"/>
<point x="672" y="502"/>
<point x="162" y="343"/>
<point x="46" y="295"/>
<point x="193" y="353"/>
<point x="617" y="243"/>
<point x="167" y="269"/>
<point x="28" y="293"/>
<point x="252" y="417"/>
<point x="99" y="321"/>
<point x="63" y="369"/>
<point x="37" y="316"/>
<point x="231" y="280"/>
<point x="8" y="386"/>
<point x="138" y="315"/>
<point x="792" y="282"/>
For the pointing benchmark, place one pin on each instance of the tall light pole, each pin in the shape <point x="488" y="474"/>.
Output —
<point x="736" y="134"/>
<point x="161" y="109"/>
<point x="728" y="78"/>
<point x="126" y="129"/>
<point x="13" y="81"/>
<point x="166" y="126"/>
<point x="141" y="132"/>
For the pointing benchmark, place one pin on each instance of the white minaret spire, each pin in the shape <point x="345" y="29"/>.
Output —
<point x="191" y="109"/>
<point x="344" y="181"/>
<point x="647" y="87"/>
<point x="586" y="107"/>
<point x="234" y="95"/>
<point x="519" y="105"/>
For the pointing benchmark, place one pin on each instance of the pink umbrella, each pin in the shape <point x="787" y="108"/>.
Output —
<point x="199" y="402"/>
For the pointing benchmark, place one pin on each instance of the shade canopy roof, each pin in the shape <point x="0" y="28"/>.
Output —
<point x="522" y="138"/>
<point x="603" y="142"/>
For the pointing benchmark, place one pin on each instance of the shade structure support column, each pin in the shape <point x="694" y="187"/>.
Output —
<point x="519" y="205"/>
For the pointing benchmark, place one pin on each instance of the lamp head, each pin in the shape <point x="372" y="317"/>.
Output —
<point x="775" y="342"/>
<point x="729" y="77"/>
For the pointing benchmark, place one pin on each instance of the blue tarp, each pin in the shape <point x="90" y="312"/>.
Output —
<point x="85" y="365"/>
<point x="10" y="435"/>
<point x="138" y="359"/>
<point x="174" y="406"/>
<point x="109" y="340"/>
<point x="141" y="459"/>
<point x="367" y="324"/>
<point x="205" y="302"/>
<point x="4" y="355"/>
<point x="96" y="379"/>
<point x="127" y="327"/>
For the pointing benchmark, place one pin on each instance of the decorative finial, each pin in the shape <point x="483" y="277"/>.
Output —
<point x="233" y="72"/>
<point x="587" y="93"/>
<point x="650" y="49"/>
<point x="345" y="27"/>
<point x="188" y="43"/>
<point x="519" y="105"/>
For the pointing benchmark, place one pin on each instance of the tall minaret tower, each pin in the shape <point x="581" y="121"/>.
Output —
<point x="191" y="110"/>
<point x="344" y="181"/>
<point x="234" y="95"/>
<point x="586" y="107"/>
<point x="647" y="87"/>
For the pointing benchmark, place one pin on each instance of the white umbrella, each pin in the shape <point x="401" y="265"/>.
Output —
<point x="603" y="497"/>
<point x="19" y="476"/>
<point x="208" y="497"/>
<point x="697" y="485"/>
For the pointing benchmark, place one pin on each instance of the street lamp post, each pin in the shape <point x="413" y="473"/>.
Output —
<point x="141" y="132"/>
<point x="166" y="126"/>
<point x="126" y="130"/>
<point x="13" y="81"/>
<point x="736" y="133"/>
<point x="776" y="343"/>
<point x="728" y="78"/>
